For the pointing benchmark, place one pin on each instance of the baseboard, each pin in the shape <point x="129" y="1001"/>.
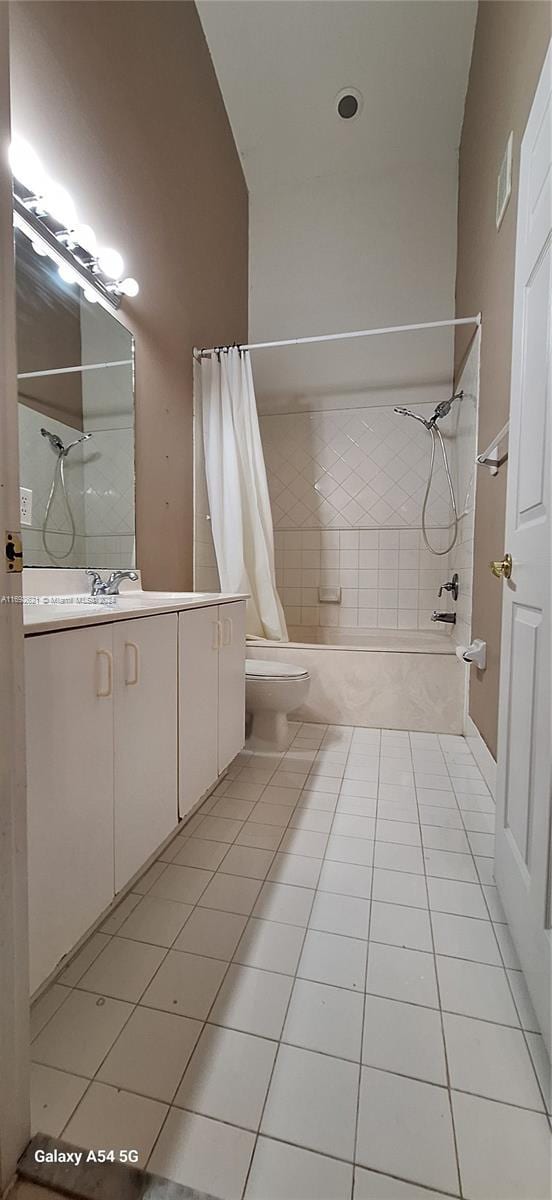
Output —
<point x="481" y="753"/>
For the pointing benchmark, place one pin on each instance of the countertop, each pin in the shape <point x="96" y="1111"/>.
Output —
<point x="47" y="614"/>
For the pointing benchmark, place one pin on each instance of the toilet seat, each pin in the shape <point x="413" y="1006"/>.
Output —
<point x="259" y="668"/>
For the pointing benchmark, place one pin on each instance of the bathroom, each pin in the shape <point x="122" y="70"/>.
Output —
<point x="276" y="613"/>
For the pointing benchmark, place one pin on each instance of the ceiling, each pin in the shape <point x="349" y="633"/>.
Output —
<point x="281" y="64"/>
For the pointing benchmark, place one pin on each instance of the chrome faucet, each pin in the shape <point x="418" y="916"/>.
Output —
<point x="449" y="618"/>
<point x="109" y="587"/>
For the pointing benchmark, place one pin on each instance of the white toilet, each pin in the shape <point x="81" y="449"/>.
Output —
<point x="272" y="690"/>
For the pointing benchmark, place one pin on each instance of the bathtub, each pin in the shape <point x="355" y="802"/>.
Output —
<point x="389" y="679"/>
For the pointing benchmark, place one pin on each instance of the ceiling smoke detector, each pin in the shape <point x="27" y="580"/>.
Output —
<point x="348" y="104"/>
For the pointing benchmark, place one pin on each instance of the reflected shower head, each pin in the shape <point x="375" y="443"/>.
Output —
<point x="57" y="444"/>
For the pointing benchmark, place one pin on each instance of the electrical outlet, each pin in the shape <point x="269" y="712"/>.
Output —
<point x="26" y="506"/>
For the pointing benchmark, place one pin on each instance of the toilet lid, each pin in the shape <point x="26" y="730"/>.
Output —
<point x="259" y="668"/>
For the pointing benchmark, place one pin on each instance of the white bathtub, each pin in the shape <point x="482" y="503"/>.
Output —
<point x="390" y="679"/>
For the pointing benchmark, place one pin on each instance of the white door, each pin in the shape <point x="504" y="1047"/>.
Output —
<point x="231" y="682"/>
<point x="199" y="636"/>
<point x="523" y="847"/>
<point x="69" y="718"/>
<point x="145" y="739"/>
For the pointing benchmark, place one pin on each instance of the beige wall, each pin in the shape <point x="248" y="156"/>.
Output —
<point x="510" y="44"/>
<point x="121" y="101"/>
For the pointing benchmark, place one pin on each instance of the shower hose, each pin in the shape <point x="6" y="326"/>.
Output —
<point x="58" y="478"/>
<point x="436" y="433"/>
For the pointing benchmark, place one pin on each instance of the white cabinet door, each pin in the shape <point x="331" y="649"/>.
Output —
<point x="69" y="716"/>
<point x="199" y="636"/>
<point x="231" y="734"/>
<point x="145" y="739"/>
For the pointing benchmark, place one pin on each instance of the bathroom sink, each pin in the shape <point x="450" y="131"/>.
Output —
<point x="160" y="597"/>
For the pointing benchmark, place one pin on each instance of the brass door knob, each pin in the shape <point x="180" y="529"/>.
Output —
<point x="502" y="567"/>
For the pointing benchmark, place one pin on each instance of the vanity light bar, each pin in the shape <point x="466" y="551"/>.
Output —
<point x="45" y="212"/>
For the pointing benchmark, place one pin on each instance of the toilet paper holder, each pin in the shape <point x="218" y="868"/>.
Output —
<point x="475" y="653"/>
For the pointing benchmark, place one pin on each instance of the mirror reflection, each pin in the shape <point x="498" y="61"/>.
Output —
<point x="76" y="422"/>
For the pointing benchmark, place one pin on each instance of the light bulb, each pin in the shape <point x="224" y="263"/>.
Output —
<point x="90" y="295"/>
<point x="110" y="263"/>
<point x="60" y="204"/>
<point x="26" y="166"/>
<point x="39" y="248"/>
<point x="67" y="273"/>
<point x="129" y="286"/>
<point x="84" y="235"/>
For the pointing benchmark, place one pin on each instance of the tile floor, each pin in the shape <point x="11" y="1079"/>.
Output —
<point x="313" y="994"/>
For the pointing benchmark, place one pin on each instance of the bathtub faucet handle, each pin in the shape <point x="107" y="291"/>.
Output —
<point x="451" y="586"/>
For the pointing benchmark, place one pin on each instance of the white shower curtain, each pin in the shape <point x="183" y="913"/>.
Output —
<point x="241" y="519"/>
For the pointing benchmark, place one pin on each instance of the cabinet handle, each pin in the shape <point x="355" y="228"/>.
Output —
<point x="217" y="635"/>
<point x="136" y="676"/>
<point x="227" y="631"/>
<point x="104" y="693"/>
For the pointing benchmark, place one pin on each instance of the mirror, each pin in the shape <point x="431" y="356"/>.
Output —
<point x="76" y="422"/>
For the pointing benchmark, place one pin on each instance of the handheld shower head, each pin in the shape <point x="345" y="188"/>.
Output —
<point x="407" y="412"/>
<point x="55" y="442"/>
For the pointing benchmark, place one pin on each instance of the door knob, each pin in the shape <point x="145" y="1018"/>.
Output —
<point x="502" y="567"/>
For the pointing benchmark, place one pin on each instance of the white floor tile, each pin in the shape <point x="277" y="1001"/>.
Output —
<point x="185" y="984"/>
<point x="453" y="896"/>
<point x="54" y="1097"/>
<point x="45" y="1007"/>
<point x="503" y="1151"/>
<point x="465" y="937"/>
<point x="237" y="810"/>
<point x="312" y="1101"/>
<point x="231" y="893"/>
<point x="311" y="819"/>
<point x="357" y="806"/>
<point x="228" y="1077"/>
<point x="283" y="1172"/>
<point x="184" y="884"/>
<point x="265" y="837"/>
<point x="212" y="933"/>
<point x="240" y="789"/>
<point x="490" y="1060"/>
<point x="346" y="878"/>
<point x="478" y="822"/>
<point x="321" y="1017"/>
<point x="424" y="1150"/>
<point x="405" y="811"/>
<point x="475" y="990"/>
<point x="348" y="915"/>
<point x="74" y="972"/>
<point x="141" y="887"/>
<point x="78" y="1036"/>
<point x="304" y="841"/>
<point x="398" y="887"/>
<point x="447" y="865"/>
<point x="218" y="829"/>
<point x="405" y="1038"/>
<point x="356" y="827"/>
<point x="204" y="1154"/>
<point x="270" y="946"/>
<point x="332" y="958"/>
<point x="405" y="832"/>
<point x="271" y="814"/>
<point x="151" y="1053"/>
<point x="199" y="852"/>
<point x="123" y="969"/>
<point x="398" y="925"/>
<point x="285" y="903"/>
<point x="281" y="795"/>
<point x="435" y="837"/>
<point x="389" y="856"/>
<point x="295" y="869"/>
<point x="396" y="794"/>
<point x="358" y="851"/>
<point x="496" y="911"/>
<point x="156" y="921"/>
<point x="253" y="1001"/>
<point x="109" y="1117"/>
<point x="247" y="861"/>
<point x="436" y="797"/>
<point x="369" y="1185"/>
<point x="446" y="818"/>
<point x="322" y="801"/>
<point x="356" y="787"/>
<point x="401" y="974"/>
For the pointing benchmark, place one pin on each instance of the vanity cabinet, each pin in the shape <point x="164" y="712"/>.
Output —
<point x="145" y="739"/>
<point x="69" y="719"/>
<point x="211" y="696"/>
<point x="114" y="713"/>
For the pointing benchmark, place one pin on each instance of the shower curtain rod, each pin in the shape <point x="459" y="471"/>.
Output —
<point x="357" y="333"/>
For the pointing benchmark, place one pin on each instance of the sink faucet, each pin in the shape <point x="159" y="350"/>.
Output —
<point x="109" y="587"/>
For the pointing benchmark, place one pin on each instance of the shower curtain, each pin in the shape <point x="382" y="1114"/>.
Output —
<point x="241" y="519"/>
